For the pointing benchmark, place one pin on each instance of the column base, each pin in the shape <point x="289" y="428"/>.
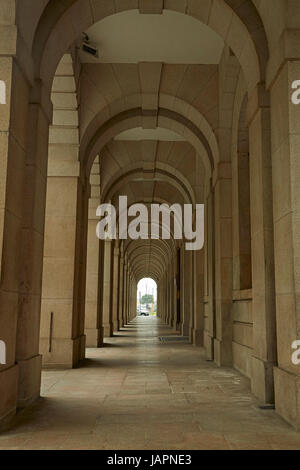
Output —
<point x="108" y="331"/>
<point x="208" y="345"/>
<point x="222" y="353"/>
<point x="116" y="325"/>
<point x="287" y="396"/>
<point x="8" y="394"/>
<point x="262" y="380"/>
<point x="65" y="353"/>
<point x="94" y="337"/>
<point x="197" y="338"/>
<point x="29" y="381"/>
<point x="185" y="330"/>
<point x="191" y="336"/>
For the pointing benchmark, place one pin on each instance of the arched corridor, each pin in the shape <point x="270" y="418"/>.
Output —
<point x="150" y="139"/>
<point x="143" y="393"/>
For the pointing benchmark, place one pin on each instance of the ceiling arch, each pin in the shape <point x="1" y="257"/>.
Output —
<point x="134" y="118"/>
<point x="137" y="174"/>
<point x="241" y="28"/>
<point x="149" y="256"/>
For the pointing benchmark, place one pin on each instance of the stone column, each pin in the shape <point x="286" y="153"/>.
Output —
<point x="168" y="299"/>
<point x="107" y="290"/>
<point x="172" y="298"/>
<point x="129" y="299"/>
<point x="174" y="294"/>
<point x="62" y="340"/>
<point x="121" y="290"/>
<point x="177" y="324"/>
<point x="80" y="267"/>
<point x="115" y="294"/>
<point x="133" y="298"/>
<point x="241" y="220"/>
<point x="286" y="197"/>
<point x="124" y="310"/>
<point x="198" y="292"/>
<point x="13" y="141"/>
<point x="63" y="294"/>
<point x="262" y="240"/>
<point x="92" y="321"/>
<point x="223" y="264"/>
<point x="158" y="301"/>
<point x="163" y="298"/>
<point x="93" y="330"/>
<point x="187" y="292"/>
<point x="128" y="296"/>
<point x="31" y="243"/>
<point x="167" y="296"/>
<point x="209" y="285"/>
<point x="180" y="326"/>
<point x="192" y="306"/>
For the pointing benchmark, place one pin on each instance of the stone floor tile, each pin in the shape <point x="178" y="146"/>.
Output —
<point x="137" y="393"/>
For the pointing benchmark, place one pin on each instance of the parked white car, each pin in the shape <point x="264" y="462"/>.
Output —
<point x="144" y="311"/>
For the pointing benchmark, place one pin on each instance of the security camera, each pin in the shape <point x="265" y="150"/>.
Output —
<point x="88" y="47"/>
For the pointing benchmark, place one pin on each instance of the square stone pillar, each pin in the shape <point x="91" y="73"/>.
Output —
<point x="128" y="312"/>
<point x="125" y="293"/>
<point x="62" y="324"/>
<point x="133" y="299"/>
<point x="223" y="264"/>
<point x="128" y="296"/>
<point x="121" y="290"/>
<point x="93" y="330"/>
<point x="13" y="141"/>
<point x="107" y="290"/>
<point x="286" y="198"/>
<point x="175" y="300"/>
<point x="209" y="276"/>
<point x="93" y="322"/>
<point x="198" y="292"/>
<point x="167" y="297"/>
<point x="263" y="295"/>
<point x="115" y="294"/>
<point x="173" y="295"/>
<point x="187" y="303"/>
<point x="32" y="244"/>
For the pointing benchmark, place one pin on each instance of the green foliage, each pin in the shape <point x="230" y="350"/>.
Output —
<point x="147" y="299"/>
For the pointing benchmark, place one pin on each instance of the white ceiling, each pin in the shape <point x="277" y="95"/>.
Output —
<point x="149" y="134"/>
<point x="173" y="38"/>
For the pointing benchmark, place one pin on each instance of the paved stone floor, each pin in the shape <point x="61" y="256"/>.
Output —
<point x="137" y="393"/>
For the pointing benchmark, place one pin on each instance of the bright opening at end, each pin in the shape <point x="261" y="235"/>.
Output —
<point x="147" y="297"/>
